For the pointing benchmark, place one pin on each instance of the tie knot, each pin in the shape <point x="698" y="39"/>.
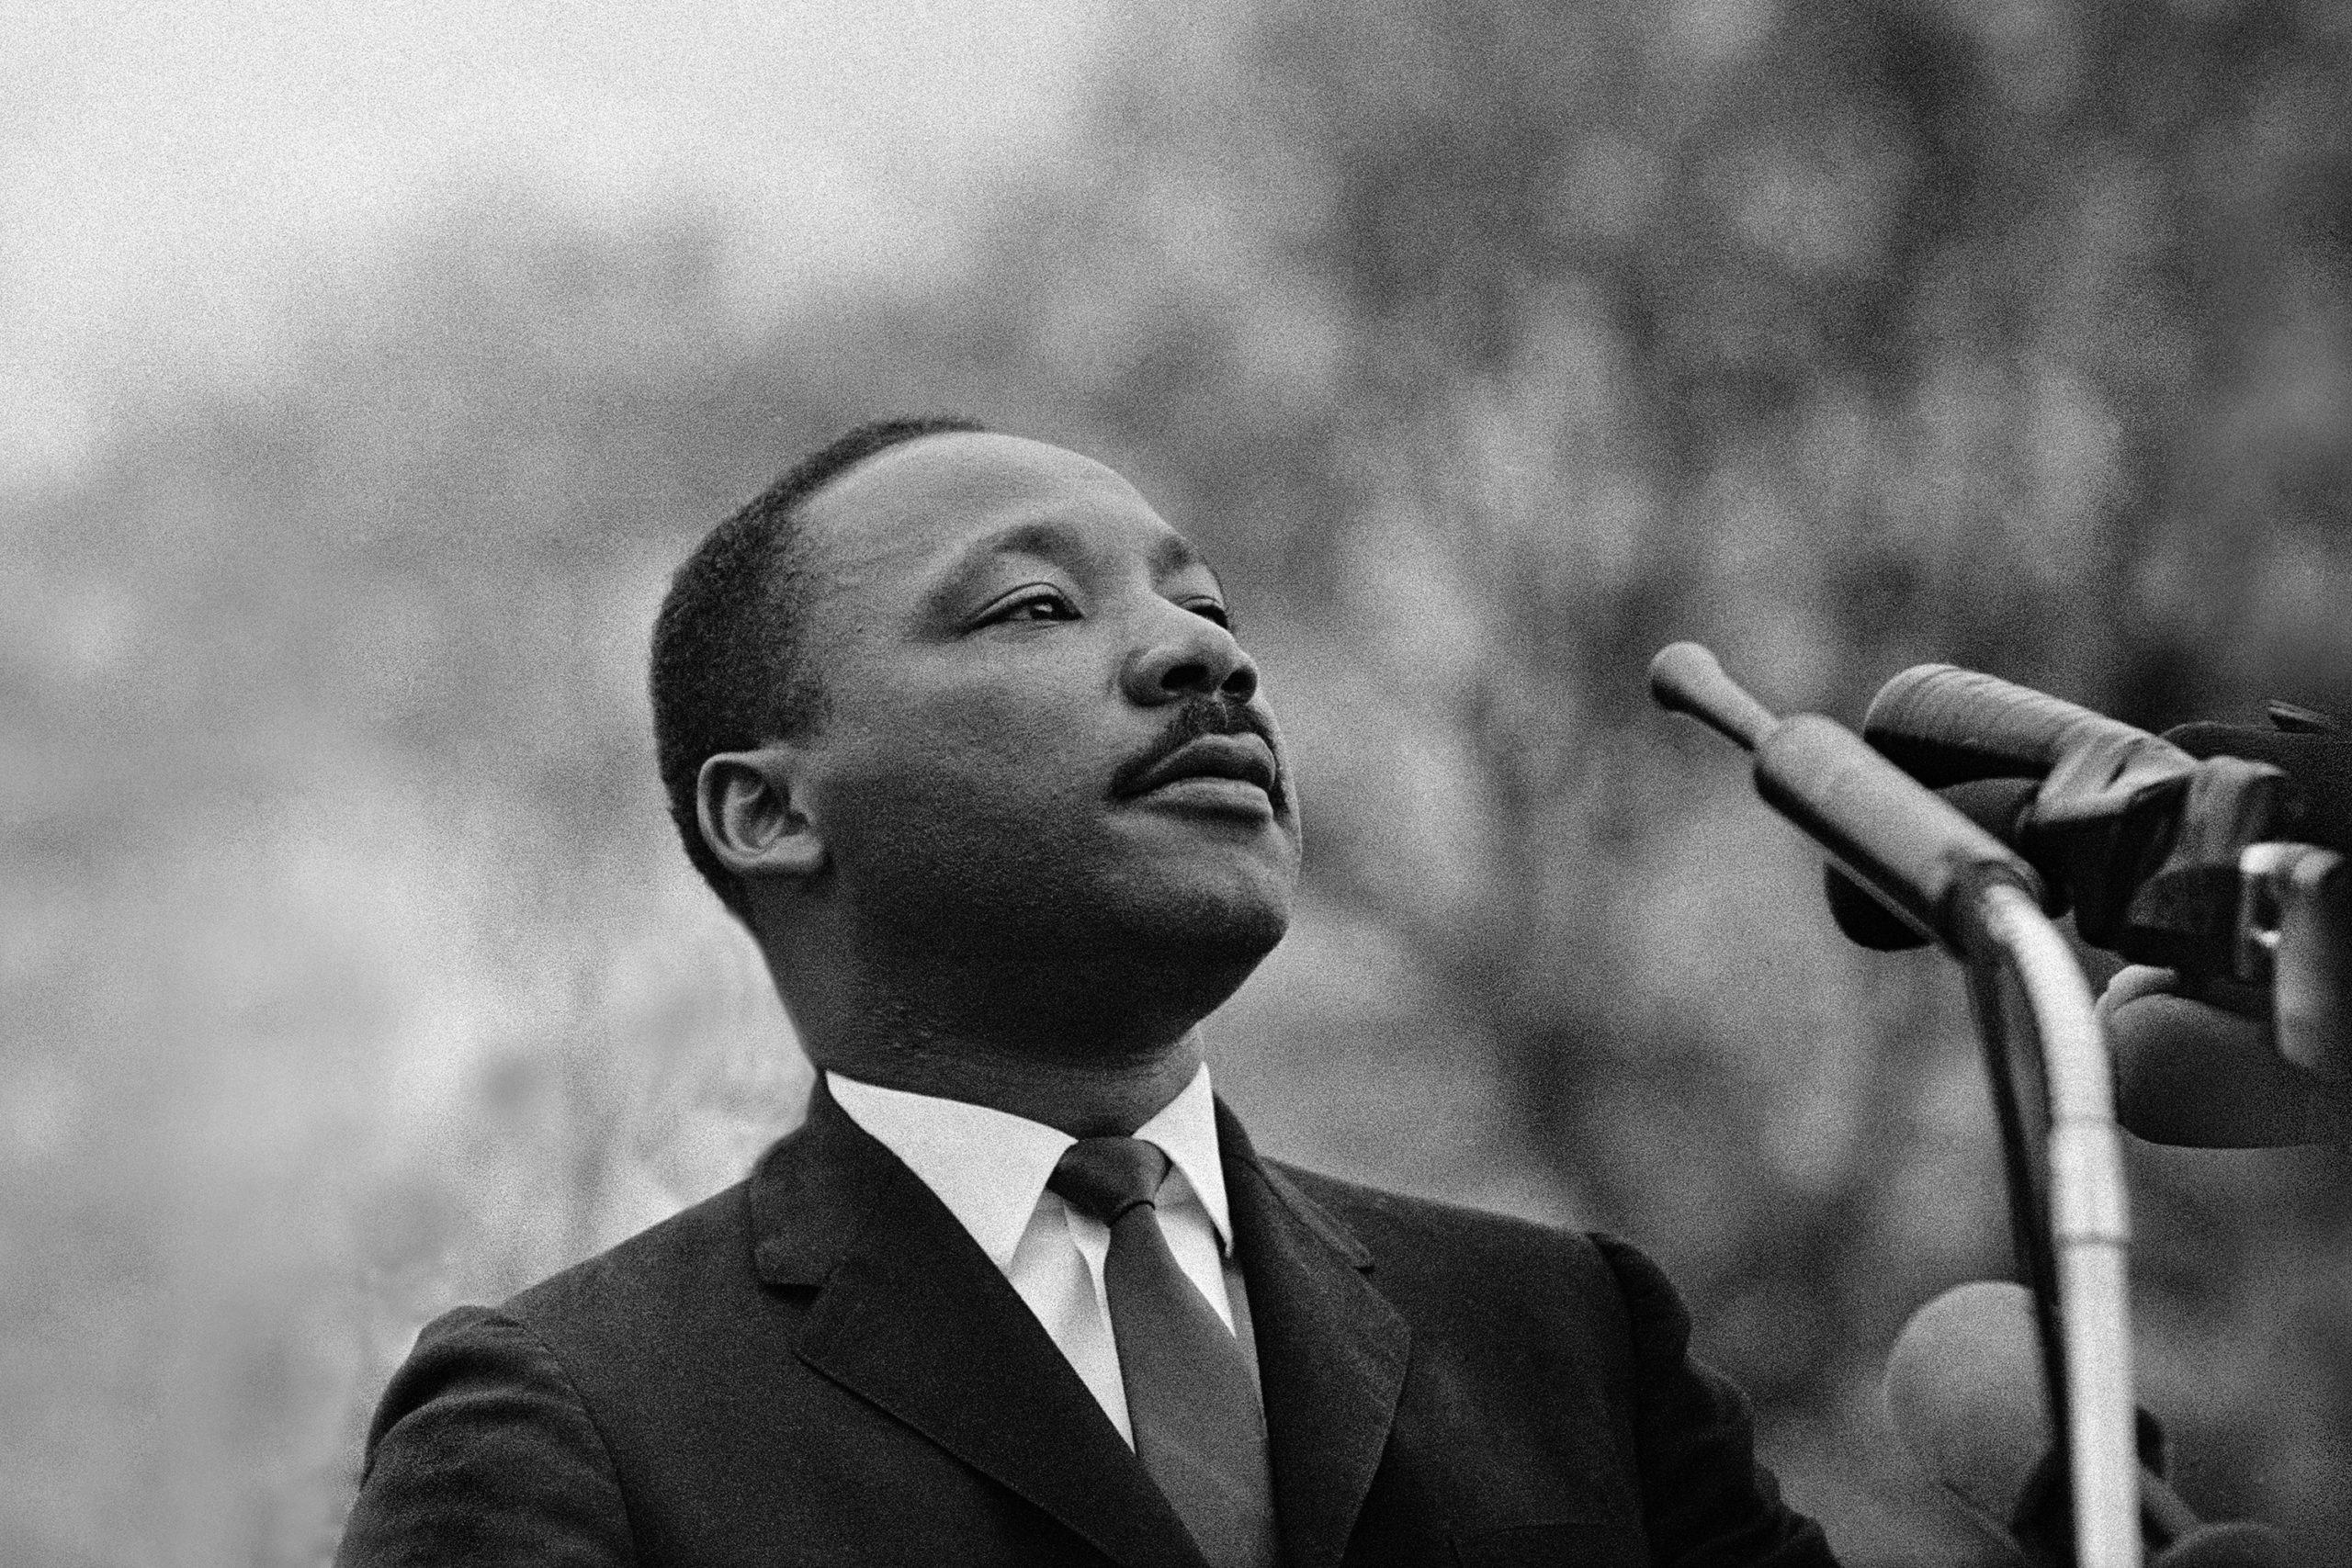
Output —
<point x="1106" y="1176"/>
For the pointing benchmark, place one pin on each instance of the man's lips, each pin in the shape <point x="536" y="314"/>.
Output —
<point x="1245" y="757"/>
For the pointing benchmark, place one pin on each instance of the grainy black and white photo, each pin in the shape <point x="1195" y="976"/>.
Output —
<point x="1272" y="784"/>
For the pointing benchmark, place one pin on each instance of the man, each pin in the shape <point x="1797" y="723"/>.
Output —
<point x="960" y="729"/>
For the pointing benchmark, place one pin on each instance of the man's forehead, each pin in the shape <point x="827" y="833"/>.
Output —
<point x="938" y="491"/>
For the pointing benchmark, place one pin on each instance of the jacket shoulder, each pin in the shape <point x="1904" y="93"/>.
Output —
<point x="701" y="1249"/>
<point x="481" y="1450"/>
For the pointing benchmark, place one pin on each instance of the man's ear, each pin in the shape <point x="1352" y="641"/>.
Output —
<point x="752" y="808"/>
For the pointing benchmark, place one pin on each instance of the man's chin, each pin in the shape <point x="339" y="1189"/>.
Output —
<point x="1241" y="936"/>
<point x="1235" y="918"/>
<point x="1207" y="932"/>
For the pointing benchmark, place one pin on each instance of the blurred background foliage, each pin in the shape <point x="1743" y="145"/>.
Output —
<point x="349" y="971"/>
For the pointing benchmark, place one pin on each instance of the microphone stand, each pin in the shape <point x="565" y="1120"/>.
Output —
<point x="2073" y="1233"/>
<point x="1959" y="885"/>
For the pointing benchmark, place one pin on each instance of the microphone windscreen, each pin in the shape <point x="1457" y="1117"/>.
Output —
<point x="2199" y="1077"/>
<point x="1965" y="1396"/>
<point x="1964" y="1391"/>
<point x="1943" y="725"/>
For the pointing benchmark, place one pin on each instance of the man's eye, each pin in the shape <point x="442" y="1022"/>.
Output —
<point x="1047" y="605"/>
<point x="1210" y="610"/>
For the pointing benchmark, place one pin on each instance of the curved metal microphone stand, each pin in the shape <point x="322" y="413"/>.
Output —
<point x="2021" y="971"/>
<point x="2067" y="1209"/>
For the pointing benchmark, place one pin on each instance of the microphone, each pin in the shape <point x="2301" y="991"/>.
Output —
<point x="1944" y="725"/>
<point x="1917" y="856"/>
<point x="1963" y="1391"/>
<point x="2140" y="837"/>
<point x="2167" y="849"/>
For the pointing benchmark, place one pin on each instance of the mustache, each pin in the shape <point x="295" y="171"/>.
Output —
<point x="1198" y="718"/>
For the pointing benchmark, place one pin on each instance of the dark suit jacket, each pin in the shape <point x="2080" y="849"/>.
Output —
<point x="820" y="1366"/>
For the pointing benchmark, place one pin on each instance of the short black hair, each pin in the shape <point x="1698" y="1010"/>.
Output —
<point x="729" y="671"/>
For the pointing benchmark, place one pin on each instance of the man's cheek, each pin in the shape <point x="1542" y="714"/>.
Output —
<point x="1017" y="761"/>
<point x="1005" y="725"/>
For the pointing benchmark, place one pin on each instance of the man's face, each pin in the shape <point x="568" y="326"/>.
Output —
<point x="1039" y="729"/>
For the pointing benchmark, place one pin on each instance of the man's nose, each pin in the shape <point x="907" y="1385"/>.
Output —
<point x="1192" y="658"/>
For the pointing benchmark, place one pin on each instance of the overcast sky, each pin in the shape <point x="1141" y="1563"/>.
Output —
<point x="172" y="174"/>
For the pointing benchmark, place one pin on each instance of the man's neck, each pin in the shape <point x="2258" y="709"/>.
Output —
<point x="1081" y="1097"/>
<point x="1081" y="1048"/>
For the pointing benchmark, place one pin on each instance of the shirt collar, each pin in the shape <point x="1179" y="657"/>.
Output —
<point x="1185" y="1131"/>
<point x="988" y="1166"/>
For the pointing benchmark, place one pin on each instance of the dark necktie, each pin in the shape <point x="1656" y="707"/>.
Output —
<point x="1190" y="1396"/>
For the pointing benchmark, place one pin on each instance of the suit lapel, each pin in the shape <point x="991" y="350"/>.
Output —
<point x="915" y="1319"/>
<point x="1331" y="1352"/>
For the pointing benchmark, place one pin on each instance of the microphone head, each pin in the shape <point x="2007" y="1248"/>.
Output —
<point x="1943" y="725"/>
<point x="1964" y="1389"/>
<point x="1964" y="1393"/>
<point x="2199" y="1077"/>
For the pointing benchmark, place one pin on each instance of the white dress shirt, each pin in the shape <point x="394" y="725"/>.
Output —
<point x="990" y="1168"/>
